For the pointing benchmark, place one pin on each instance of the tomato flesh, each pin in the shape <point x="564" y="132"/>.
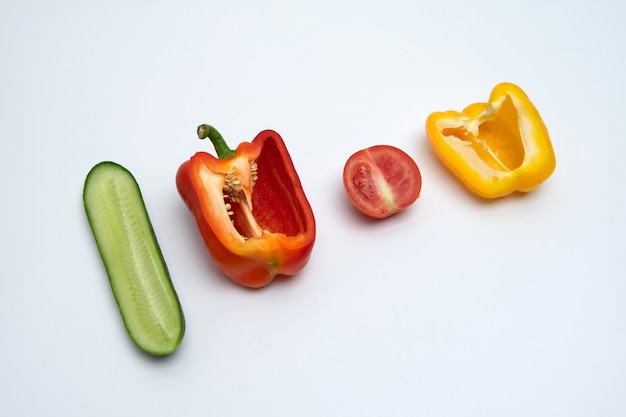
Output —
<point x="381" y="180"/>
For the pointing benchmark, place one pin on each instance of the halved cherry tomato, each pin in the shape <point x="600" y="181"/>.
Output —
<point x="381" y="180"/>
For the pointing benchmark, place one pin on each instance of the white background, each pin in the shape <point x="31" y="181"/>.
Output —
<point x="455" y="307"/>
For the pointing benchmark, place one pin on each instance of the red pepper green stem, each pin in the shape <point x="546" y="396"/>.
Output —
<point x="222" y="149"/>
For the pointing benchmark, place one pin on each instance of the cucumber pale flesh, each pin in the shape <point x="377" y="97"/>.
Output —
<point x="134" y="263"/>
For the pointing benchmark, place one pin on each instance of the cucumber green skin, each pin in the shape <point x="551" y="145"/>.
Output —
<point x="137" y="272"/>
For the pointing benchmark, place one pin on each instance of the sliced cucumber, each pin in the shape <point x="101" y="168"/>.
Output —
<point x="133" y="260"/>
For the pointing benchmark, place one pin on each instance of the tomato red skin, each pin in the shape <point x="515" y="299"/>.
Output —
<point x="369" y="170"/>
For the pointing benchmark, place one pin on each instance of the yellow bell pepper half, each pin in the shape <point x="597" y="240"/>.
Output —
<point x="495" y="148"/>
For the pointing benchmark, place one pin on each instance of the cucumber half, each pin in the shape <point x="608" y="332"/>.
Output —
<point x="133" y="260"/>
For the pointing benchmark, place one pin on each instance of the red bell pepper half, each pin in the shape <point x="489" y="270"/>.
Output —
<point x="249" y="206"/>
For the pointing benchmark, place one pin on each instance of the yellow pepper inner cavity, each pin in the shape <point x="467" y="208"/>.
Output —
<point x="498" y="142"/>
